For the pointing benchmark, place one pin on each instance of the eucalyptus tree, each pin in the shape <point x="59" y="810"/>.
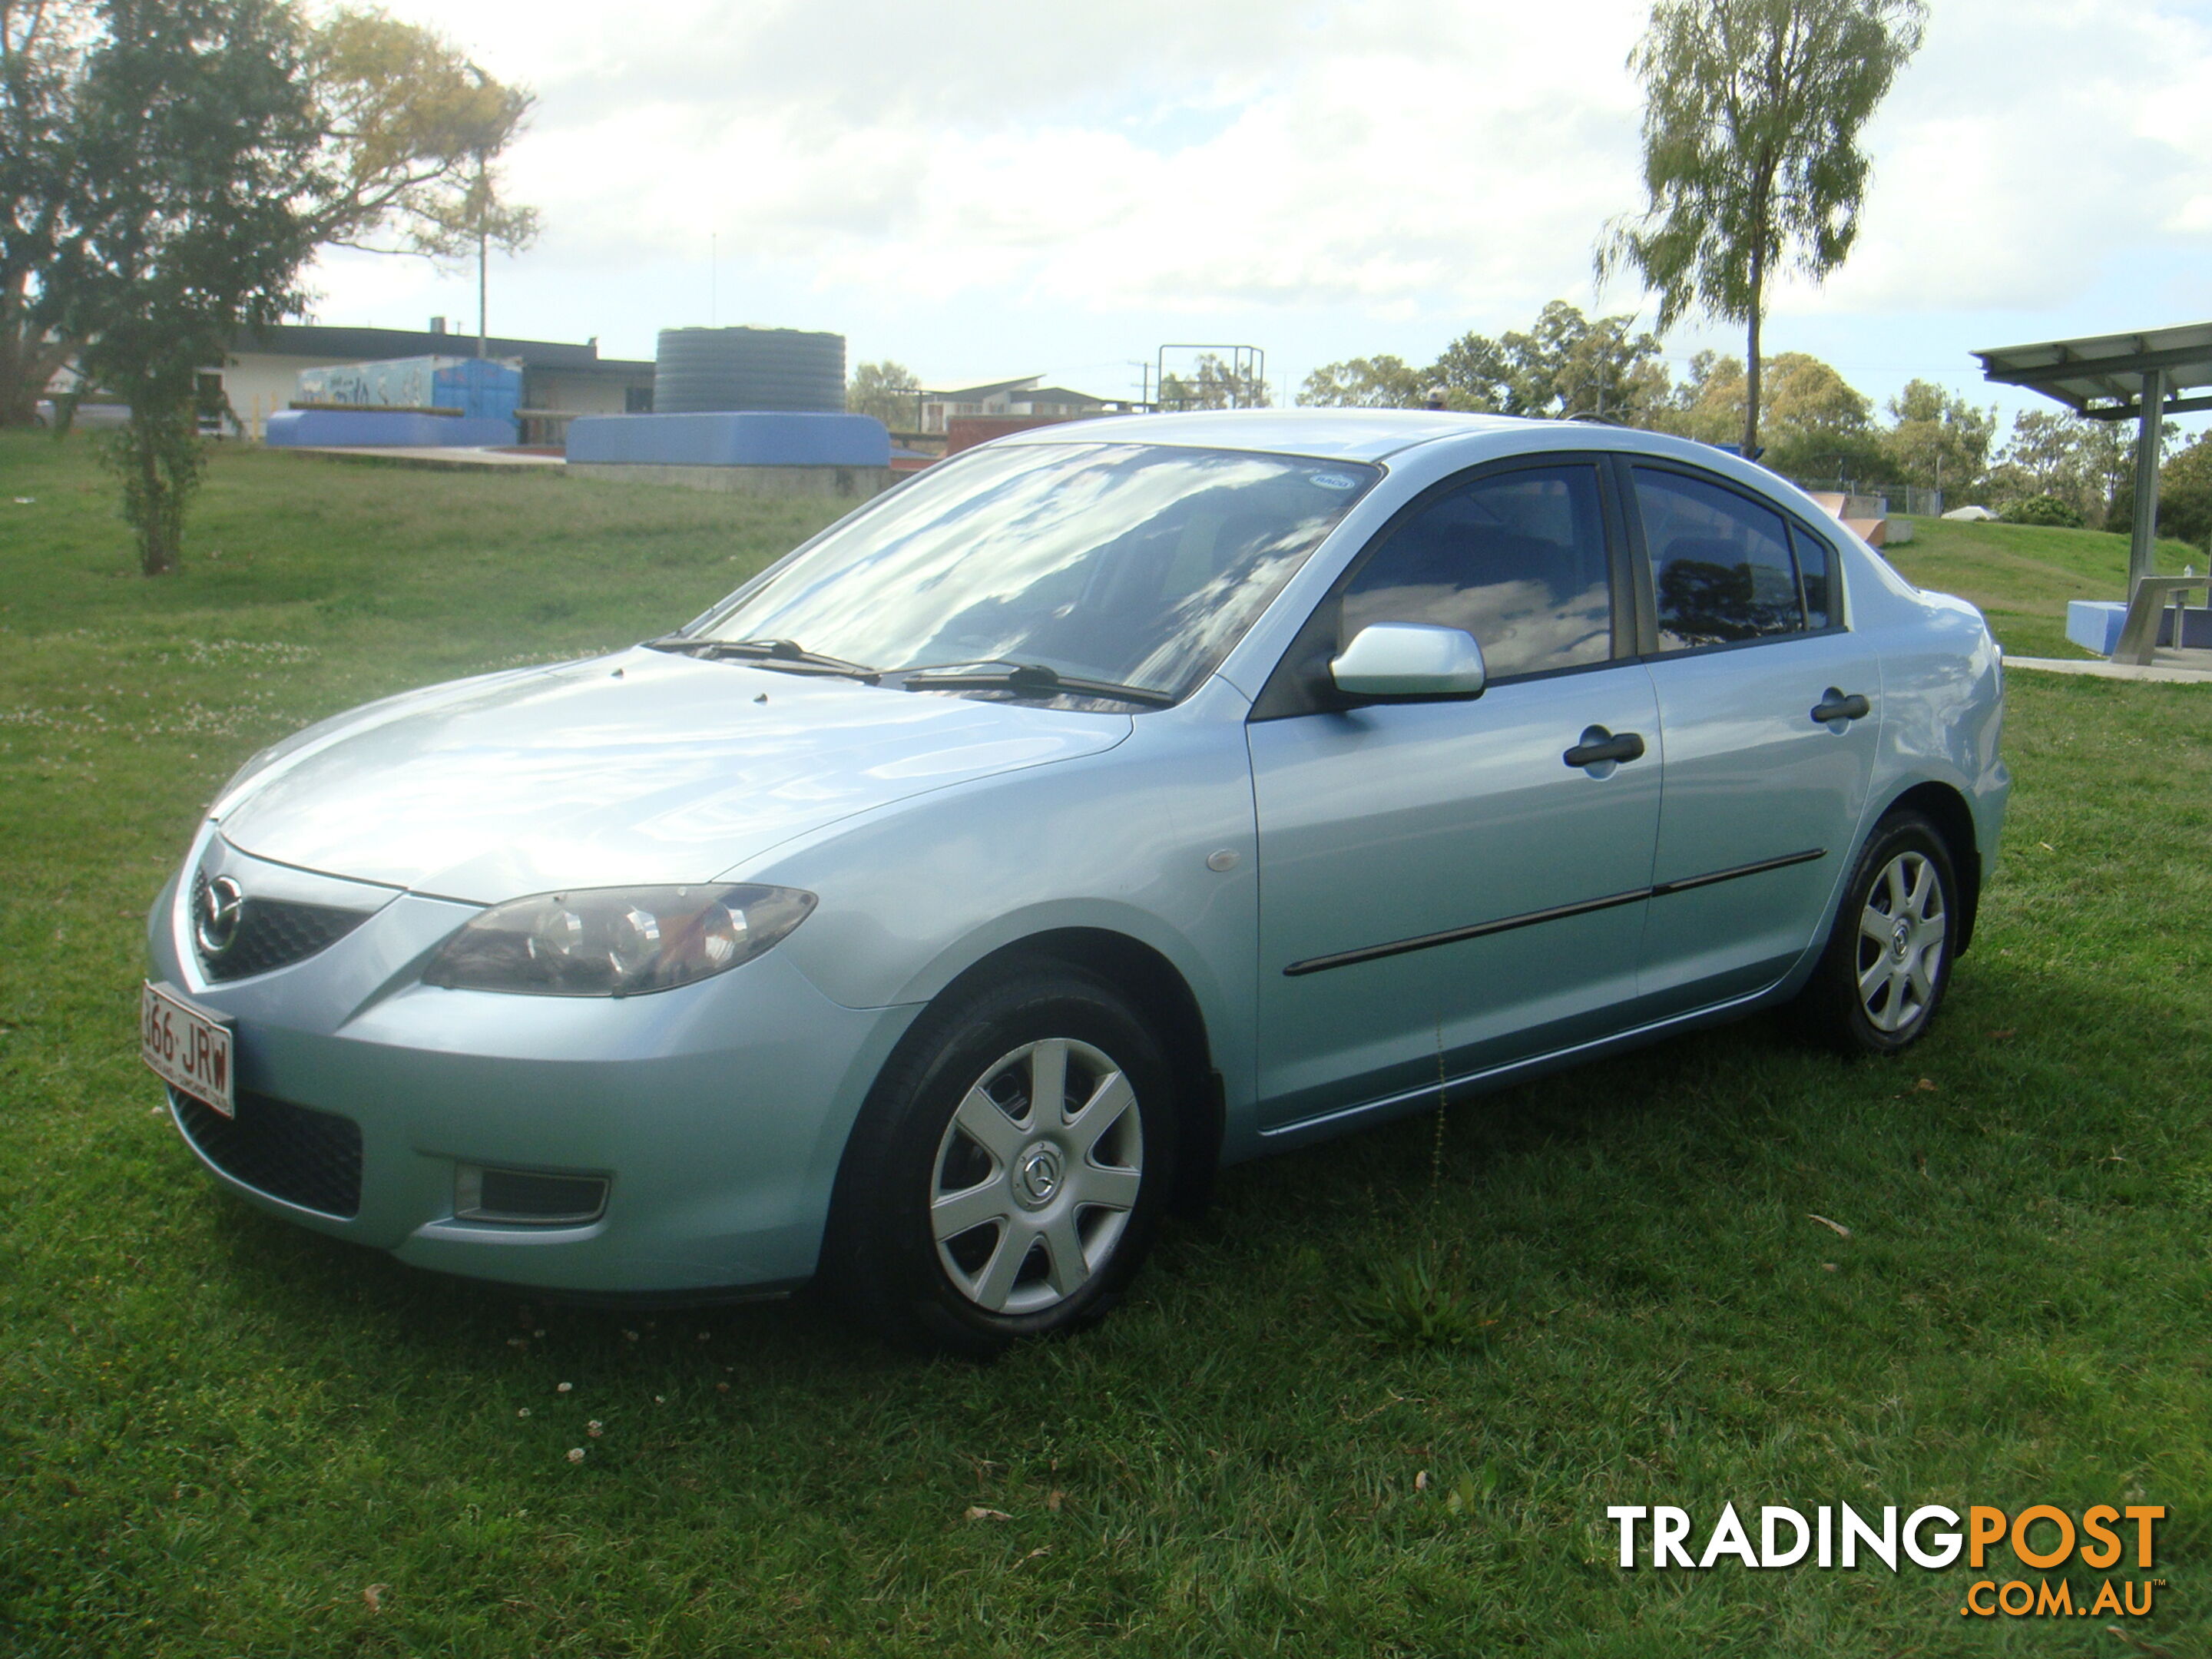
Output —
<point x="1382" y="381"/>
<point x="1752" y="168"/>
<point x="1564" y="365"/>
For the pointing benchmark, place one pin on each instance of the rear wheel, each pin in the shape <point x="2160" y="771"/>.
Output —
<point x="1008" y="1174"/>
<point x="1888" y="957"/>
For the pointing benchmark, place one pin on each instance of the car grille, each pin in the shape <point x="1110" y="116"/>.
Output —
<point x="271" y="933"/>
<point x="302" y="1156"/>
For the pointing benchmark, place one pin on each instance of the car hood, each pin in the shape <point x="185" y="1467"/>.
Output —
<point x="642" y="767"/>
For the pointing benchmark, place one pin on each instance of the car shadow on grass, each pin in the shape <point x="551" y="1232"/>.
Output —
<point x="1627" y="1185"/>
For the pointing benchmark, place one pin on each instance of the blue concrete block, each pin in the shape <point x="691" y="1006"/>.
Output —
<point x="382" y="428"/>
<point x="2094" y="624"/>
<point x="741" y="438"/>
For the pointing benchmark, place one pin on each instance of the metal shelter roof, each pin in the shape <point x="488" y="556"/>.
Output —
<point x="2103" y="375"/>
<point x="2120" y="377"/>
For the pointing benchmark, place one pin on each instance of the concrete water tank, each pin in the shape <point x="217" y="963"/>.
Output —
<point x="705" y="370"/>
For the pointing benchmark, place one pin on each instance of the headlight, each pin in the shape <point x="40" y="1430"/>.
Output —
<point x="616" y="941"/>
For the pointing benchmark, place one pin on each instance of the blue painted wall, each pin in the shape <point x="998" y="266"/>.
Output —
<point x="739" y="439"/>
<point x="378" y="429"/>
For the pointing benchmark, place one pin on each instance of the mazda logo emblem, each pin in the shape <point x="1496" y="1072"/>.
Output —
<point x="221" y="906"/>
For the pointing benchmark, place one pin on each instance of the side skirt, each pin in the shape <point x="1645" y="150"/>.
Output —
<point x="1345" y="1119"/>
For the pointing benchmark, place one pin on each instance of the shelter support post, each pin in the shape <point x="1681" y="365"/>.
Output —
<point x="2143" y="545"/>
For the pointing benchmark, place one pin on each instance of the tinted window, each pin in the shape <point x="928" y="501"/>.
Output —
<point x="1517" y="560"/>
<point x="1812" y="573"/>
<point x="1720" y="563"/>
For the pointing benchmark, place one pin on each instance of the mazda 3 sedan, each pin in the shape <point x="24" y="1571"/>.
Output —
<point x="1108" y="804"/>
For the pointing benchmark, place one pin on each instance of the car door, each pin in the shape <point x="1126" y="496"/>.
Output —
<point x="1769" y="708"/>
<point x="1441" y="891"/>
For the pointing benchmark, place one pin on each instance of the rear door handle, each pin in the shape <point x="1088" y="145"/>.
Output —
<point x="1599" y="746"/>
<point x="1835" y="705"/>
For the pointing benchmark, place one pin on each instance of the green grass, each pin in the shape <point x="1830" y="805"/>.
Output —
<point x="2022" y="575"/>
<point x="219" y="1435"/>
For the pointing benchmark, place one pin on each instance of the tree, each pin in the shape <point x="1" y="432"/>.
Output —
<point x="407" y="134"/>
<point x="2185" y="494"/>
<point x="2117" y="456"/>
<point x="193" y="119"/>
<point x="1600" y="368"/>
<point x="1564" y="365"/>
<point x="42" y="46"/>
<point x="412" y="132"/>
<point x="1938" y="440"/>
<point x="1752" y="167"/>
<point x="1476" y="375"/>
<point x="1709" y="404"/>
<point x="887" y="390"/>
<point x="2089" y="464"/>
<point x="410" y="128"/>
<point x="477" y="219"/>
<point x="1819" y="427"/>
<point x="1213" y="383"/>
<point x="1380" y="382"/>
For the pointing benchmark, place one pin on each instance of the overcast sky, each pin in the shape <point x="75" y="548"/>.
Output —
<point x="986" y="188"/>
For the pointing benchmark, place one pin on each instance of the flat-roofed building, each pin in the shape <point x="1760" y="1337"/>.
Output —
<point x="263" y="374"/>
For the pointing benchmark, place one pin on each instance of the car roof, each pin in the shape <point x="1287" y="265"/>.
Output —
<point x="1377" y="435"/>
<point x="1353" y="434"/>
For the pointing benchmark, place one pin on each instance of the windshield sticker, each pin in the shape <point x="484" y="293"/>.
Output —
<point x="1332" y="481"/>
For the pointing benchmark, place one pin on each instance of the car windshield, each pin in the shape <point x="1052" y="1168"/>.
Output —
<point x="1128" y="564"/>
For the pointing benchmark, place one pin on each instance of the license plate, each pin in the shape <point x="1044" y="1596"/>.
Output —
<point x="188" y="1046"/>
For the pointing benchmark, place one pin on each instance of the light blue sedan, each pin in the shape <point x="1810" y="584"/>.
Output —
<point x="1108" y="804"/>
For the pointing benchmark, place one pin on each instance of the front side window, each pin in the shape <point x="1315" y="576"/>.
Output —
<point x="1134" y="563"/>
<point x="1517" y="559"/>
<point x="1721" y="564"/>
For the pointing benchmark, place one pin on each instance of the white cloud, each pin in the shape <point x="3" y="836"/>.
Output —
<point x="1130" y="152"/>
<point x="2032" y="144"/>
<point x="1332" y="176"/>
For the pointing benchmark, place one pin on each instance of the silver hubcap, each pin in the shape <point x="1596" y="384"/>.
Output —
<point x="1901" y="943"/>
<point x="1035" y="1176"/>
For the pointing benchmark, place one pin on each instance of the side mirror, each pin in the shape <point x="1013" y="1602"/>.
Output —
<point x="1410" y="659"/>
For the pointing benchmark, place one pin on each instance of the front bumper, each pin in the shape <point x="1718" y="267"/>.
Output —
<point x="716" y="1113"/>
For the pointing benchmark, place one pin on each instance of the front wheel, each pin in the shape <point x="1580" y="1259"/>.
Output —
<point x="1008" y="1174"/>
<point x="1888" y="958"/>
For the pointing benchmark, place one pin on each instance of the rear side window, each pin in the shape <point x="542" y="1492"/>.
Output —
<point x="1517" y="559"/>
<point x="1721" y="564"/>
<point x="1812" y="555"/>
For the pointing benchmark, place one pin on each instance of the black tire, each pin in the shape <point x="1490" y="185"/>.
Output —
<point x="883" y="1257"/>
<point x="1876" y="994"/>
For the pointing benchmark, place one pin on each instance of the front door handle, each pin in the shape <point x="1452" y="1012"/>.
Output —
<point x="1599" y="746"/>
<point x="1834" y="705"/>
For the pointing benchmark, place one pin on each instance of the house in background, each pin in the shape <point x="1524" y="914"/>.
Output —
<point x="1022" y="398"/>
<point x="263" y="375"/>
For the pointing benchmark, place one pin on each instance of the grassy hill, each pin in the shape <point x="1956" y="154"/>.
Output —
<point x="289" y="537"/>
<point x="2022" y="575"/>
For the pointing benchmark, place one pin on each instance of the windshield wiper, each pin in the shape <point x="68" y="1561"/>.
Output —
<point x="788" y="654"/>
<point x="1033" y="679"/>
